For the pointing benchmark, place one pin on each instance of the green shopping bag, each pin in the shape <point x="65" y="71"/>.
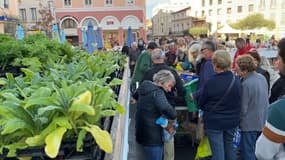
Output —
<point x="203" y="149"/>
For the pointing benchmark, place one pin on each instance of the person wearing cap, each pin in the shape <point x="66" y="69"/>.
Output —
<point x="195" y="54"/>
<point x="158" y="60"/>
<point x="143" y="63"/>
<point x="270" y="144"/>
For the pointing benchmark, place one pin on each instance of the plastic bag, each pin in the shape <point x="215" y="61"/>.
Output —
<point x="204" y="149"/>
<point x="236" y="139"/>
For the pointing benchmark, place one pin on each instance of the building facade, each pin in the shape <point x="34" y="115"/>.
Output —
<point x="161" y="23"/>
<point x="112" y="17"/>
<point x="8" y="16"/>
<point x="220" y="12"/>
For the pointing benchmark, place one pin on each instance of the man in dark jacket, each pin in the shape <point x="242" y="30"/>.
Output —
<point x="158" y="60"/>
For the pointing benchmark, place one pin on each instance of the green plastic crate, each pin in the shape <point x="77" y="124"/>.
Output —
<point x="190" y="88"/>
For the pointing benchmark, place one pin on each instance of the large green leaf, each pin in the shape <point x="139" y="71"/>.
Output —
<point x="15" y="124"/>
<point x="102" y="138"/>
<point x="47" y="101"/>
<point x="53" y="141"/>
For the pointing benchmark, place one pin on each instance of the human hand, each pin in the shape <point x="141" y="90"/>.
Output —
<point x="191" y="97"/>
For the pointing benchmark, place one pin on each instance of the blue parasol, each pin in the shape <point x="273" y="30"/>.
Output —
<point x="63" y="37"/>
<point x="55" y="32"/>
<point x="84" y="38"/>
<point x="90" y="38"/>
<point x="130" y="37"/>
<point x="20" y="32"/>
<point x="99" y="38"/>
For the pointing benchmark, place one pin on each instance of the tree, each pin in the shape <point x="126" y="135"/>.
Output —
<point x="254" y="21"/>
<point x="46" y="18"/>
<point x="196" y="31"/>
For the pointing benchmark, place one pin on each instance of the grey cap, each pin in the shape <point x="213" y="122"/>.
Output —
<point x="195" y="48"/>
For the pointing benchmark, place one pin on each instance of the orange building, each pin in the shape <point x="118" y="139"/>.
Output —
<point x="113" y="17"/>
<point x="8" y="16"/>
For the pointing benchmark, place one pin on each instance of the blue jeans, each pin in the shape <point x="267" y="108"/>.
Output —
<point x="153" y="152"/>
<point x="221" y="143"/>
<point x="247" y="144"/>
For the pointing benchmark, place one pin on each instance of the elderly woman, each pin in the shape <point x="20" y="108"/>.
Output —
<point x="152" y="104"/>
<point x="254" y="104"/>
<point x="220" y="101"/>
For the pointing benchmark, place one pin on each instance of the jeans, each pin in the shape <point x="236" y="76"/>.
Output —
<point x="221" y="143"/>
<point x="247" y="144"/>
<point x="153" y="152"/>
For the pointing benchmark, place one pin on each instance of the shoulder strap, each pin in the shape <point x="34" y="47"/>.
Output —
<point x="226" y="93"/>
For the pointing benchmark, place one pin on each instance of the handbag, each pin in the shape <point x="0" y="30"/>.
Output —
<point x="200" y="133"/>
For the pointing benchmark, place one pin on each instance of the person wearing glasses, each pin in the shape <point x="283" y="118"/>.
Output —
<point x="206" y="69"/>
<point x="270" y="145"/>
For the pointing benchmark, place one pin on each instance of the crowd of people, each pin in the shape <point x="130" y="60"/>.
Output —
<point x="232" y="93"/>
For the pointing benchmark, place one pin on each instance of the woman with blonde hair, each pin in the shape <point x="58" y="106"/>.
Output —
<point x="220" y="101"/>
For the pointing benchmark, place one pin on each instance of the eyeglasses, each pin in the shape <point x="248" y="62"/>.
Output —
<point x="203" y="49"/>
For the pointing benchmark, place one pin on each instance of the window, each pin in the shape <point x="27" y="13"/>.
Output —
<point x="23" y="15"/>
<point x="67" y="2"/>
<point x="109" y="2"/>
<point x="6" y="3"/>
<point x="261" y="3"/>
<point x="219" y="11"/>
<point x="69" y="23"/>
<point x="210" y="12"/>
<point x="283" y="4"/>
<point x="211" y="2"/>
<point x="203" y="13"/>
<point x="250" y="8"/>
<point x="88" y="2"/>
<point x="239" y="9"/>
<point x="203" y="3"/>
<point x="130" y="1"/>
<point x="33" y="14"/>
<point x="273" y="4"/>
<point x="229" y="10"/>
<point x="219" y="1"/>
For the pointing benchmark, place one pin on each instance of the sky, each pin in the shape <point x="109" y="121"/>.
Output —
<point x="150" y="4"/>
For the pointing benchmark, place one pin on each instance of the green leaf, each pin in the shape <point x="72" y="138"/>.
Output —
<point x="3" y="81"/>
<point x="47" y="101"/>
<point x="53" y="141"/>
<point x="29" y="74"/>
<point x="15" y="124"/>
<point x="107" y="113"/>
<point x="14" y="146"/>
<point x="115" y="82"/>
<point x="80" y="140"/>
<point x="82" y="108"/>
<point x="42" y="92"/>
<point x="120" y="108"/>
<point x="102" y="138"/>
<point x="62" y="122"/>
<point x="43" y="110"/>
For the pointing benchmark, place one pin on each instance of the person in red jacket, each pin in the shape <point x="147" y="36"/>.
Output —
<point x="242" y="48"/>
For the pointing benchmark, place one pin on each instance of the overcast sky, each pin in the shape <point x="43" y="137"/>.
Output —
<point x="150" y="4"/>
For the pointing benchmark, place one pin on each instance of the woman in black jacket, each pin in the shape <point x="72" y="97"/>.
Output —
<point x="152" y="104"/>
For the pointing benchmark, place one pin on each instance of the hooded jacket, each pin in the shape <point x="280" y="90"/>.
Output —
<point x="151" y="105"/>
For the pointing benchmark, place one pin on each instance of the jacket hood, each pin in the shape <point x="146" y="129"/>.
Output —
<point x="147" y="87"/>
